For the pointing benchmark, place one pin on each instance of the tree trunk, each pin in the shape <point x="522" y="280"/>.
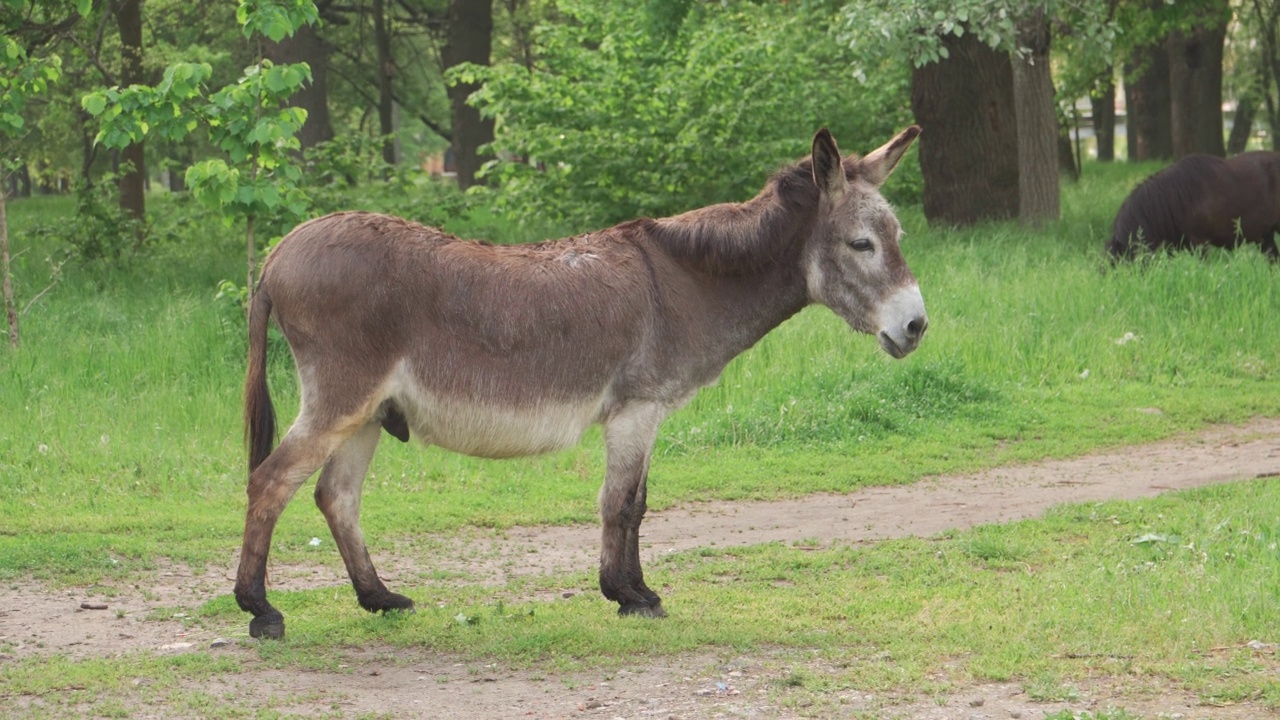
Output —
<point x="1067" y="162"/>
<point x="1102" y="104"/>
<point x="133" y="183"/>
<point x="1149" y="134"/>
<point x="10" y="305"/>
<point x="1037" y="123"/>
<point x="307" y="46"/>
<point x="386" y="74"/>
<point x="1195" y="87"/>
<point x="1241" y="125"/>
<point x="969" y="150"/>
<point x="470" y="39"/>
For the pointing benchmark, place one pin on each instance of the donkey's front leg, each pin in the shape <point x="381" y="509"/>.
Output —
<point x="629" y="436"/>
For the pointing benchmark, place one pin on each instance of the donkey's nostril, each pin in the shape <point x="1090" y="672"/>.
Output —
<point x="916" y="327"/>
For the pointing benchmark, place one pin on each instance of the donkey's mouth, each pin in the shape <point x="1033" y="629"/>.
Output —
<point x="897" y="351"/>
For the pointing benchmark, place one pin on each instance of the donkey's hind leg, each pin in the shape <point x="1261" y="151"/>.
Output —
<point x="338" y="495"/>
<point x="271" y="486"/>
<point x="629" y="437"/>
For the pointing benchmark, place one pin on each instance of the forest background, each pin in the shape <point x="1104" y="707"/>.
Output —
<point x="577" y="114"/>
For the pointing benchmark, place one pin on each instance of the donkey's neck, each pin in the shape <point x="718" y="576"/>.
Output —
<point x="749" y="238"/>
<point x="736" y="269"/>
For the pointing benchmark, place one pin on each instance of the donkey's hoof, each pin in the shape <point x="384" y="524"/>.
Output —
<point x="270" y="626"/>
<point x="648" y="610"/>
<point x="387" y="602"/>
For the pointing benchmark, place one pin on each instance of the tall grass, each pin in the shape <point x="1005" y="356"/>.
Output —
<point x="120" y="440"/>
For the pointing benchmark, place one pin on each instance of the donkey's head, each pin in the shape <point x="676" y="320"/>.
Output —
<point x="852" y="263"/>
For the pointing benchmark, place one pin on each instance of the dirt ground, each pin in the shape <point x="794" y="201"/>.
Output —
<point x="77" y="624"/>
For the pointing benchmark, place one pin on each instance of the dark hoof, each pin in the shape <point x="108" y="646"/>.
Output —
<point x="270" y="626"/>
<point x="388" y="602"/>
<point x="648" y="610"/>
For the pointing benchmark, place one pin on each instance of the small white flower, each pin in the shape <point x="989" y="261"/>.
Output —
<point x="1084" y="375"/>
<point x="1127" y="338"/>
<point x="315" y="542"/>
<point x="44" y="449"/>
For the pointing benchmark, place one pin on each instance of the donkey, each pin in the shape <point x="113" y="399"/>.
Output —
<point x="1199" y="202"/>
<point x="502" y="351"/>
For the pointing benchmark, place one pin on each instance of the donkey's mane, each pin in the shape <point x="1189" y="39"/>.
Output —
<point x="742" y="238"/>
<point x="1159" y="205"/>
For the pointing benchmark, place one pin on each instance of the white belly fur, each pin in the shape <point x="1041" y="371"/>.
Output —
<point x="489" y="430"/>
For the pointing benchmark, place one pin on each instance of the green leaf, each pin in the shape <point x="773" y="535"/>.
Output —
<point x="94" y="103"/>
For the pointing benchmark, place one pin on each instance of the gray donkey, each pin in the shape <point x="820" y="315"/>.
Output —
<point x="501" y="351"/>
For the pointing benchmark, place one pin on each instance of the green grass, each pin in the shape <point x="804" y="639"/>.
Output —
<point x="120" y="448"/>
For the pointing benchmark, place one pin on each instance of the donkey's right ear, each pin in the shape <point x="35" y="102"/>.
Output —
<point x="828" y="172"/>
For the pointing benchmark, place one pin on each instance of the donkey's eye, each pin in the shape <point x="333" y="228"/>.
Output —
<point x="862" y="245"/>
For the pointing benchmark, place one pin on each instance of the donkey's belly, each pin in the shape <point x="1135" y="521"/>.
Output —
<point x="495" y="431"/>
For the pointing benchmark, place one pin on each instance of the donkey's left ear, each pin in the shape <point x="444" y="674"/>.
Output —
<point x="878" y="163"/>
<point x="828" y="172"/>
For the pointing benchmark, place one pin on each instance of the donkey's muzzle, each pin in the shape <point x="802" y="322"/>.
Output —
<point x="904" y="322"/>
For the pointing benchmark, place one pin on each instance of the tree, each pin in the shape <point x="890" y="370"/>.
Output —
<point x="306" y="45"/>
<point x="21" y="79"/>
<point x="1037" y="122"/>
<point x="133" y="179"/>
<point x="470" y="41"/>
<point x="969" y="147"/>
<point x="616" y="121"/>
<point x="1195" y="81"/>
<point x="386" y="70"/>
<point x="921" y="32"/>
<point x="1263" y="22"/>
<point x="1102" y="106"/>
<point x="248" y="120"/>
<point x="1149" y="125"/>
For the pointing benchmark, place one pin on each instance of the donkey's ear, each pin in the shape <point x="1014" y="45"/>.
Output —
<point x="878" y="163"/>
<point x="828" y="173"/>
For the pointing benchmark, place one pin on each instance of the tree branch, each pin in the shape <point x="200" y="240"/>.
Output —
<point x="431" y="124"/>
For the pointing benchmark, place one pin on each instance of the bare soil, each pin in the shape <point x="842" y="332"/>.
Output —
<point x="110" y="622"/>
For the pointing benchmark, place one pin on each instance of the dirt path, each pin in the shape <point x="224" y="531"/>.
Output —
<point x="693" y="686"/>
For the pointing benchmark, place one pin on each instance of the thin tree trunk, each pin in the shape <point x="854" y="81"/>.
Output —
<point x="1068" y="163"/>
<point x="386" y="74"/>
<point x="133" y="182"/>
<point x="1102" y="104"/>
<point x="251" y="257"/>
<point x="10" y="306"/>
<point x="1241" y="125"/>
<point x="1037" y="121"/>
<point x="470" y="39"/>
<point x="969" y="148"/>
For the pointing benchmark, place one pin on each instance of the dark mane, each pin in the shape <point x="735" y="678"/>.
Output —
<point x="1155" y="213"/>
<point x="742" y="238"/>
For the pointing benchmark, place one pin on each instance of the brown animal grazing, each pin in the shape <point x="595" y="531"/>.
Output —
<point x="500" y="351"/>
<point x="1202" y="201"/>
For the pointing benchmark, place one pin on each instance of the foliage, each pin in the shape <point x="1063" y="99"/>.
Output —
<point x="21" y="79"/>
<point x="911" y="32"/>
<point x="247" y="120"/>
<point x="615" y="121"/>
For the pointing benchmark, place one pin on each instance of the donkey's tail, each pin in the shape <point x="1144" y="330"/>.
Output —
<point x="259" y="415"/>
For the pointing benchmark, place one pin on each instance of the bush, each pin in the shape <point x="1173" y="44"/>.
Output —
<point x="624" y="117"/>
